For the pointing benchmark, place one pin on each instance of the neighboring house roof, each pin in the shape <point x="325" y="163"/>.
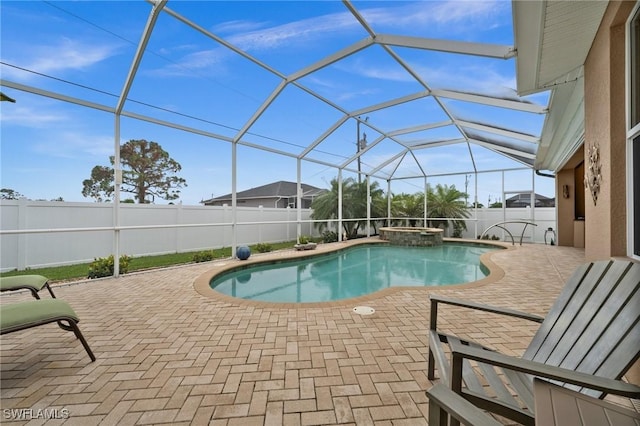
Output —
<point x="280" y="189"/>
<point x="527" y="196"/>
<point x="525" y="199"/>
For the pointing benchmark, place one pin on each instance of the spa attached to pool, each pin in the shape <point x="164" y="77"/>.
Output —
<point x="417" y="237"/>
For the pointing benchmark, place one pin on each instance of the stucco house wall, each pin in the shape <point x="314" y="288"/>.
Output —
<point x="566" y="206"/>
<point x="605" y="100"/>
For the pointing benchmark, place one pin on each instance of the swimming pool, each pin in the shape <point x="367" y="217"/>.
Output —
<point x="353" y="272"/>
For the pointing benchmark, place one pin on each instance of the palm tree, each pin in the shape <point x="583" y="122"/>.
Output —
<point x="408" y="205"/>
<point x="447" y="201"/>
<point x="354" y="204"/>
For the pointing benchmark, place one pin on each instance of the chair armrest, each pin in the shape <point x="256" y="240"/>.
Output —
<point x="602" y="384"/>
<point x="443" y="398"/>
<point x="435" y="300"/>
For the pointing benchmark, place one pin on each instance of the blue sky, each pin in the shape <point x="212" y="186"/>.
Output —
<point x="49" y="147"/>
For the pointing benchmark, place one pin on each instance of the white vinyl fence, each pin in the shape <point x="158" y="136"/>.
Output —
<point x="65" y="232"/>
<point x="62" y="233"/>
<point x="543" y="217"/>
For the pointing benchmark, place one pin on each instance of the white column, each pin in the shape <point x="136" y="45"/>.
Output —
<point x="389" y="202"/>
<point x="234" y="203"/>
<point x="117" y="179"/>
<point x="339" y="204"/>
<point x="426" y="190"/>
<point x="368" y="206"/>
<point x="299" y="201"/>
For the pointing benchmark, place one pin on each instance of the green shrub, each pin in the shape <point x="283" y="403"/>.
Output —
<point x="329" y="236"/>
<point x="103" y="266"/>
<point x="263" y="247"/>
<point x="487" y="237"/>
<point x="203" y="256"/>
<point x="304" y="239"/>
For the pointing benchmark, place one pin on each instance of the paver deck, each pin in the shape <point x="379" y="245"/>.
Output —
<point x="168" y="354"/>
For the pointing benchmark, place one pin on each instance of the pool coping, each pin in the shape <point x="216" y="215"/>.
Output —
<point x="201" y="283"/>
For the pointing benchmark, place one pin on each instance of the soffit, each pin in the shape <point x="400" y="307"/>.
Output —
<point x="553" y="39"/>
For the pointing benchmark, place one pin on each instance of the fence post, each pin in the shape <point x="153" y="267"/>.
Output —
<point x="22" y="238"/>
<point x="179" y="231"/>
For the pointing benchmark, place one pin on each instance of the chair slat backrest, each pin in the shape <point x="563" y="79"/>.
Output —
<point x="593" y="326"/>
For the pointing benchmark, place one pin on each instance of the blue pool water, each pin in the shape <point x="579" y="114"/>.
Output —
<point x="353" y="272"/>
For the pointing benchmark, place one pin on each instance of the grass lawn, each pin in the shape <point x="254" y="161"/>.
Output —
<point x="79" y="271"/>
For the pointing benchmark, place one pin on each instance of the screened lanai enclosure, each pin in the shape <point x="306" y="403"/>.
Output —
<point x="400" y="95"/>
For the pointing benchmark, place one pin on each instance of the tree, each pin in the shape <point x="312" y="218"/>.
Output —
<point x="9" y="194"/>
<point x="354" y="204"/>
<point x="100" y="185"/>
<point x="447" y="202"/>
<point x="147" y="171"/>
<point x="408" y="205"/>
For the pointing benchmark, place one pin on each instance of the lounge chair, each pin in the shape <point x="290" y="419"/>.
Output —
<point x="593" y="329"/>
<point x="24" y="315"/>
<point x="444" y="403"/>
<point x="556" y="406"/>
<point x="561" y="406"/>
<point x="33" y="283"/>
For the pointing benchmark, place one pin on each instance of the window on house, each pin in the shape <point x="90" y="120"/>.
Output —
<point x="578" y="184"/>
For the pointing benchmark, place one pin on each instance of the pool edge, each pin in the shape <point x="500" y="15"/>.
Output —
<point x="201" y="283"/>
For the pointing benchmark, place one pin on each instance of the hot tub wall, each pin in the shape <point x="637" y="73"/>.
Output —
<point x="421" y="237"/>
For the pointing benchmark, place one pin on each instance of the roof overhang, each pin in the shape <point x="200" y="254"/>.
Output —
<point x="553" y="39"/>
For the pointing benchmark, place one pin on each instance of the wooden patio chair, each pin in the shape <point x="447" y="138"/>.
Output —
<point x="591" y="331"/>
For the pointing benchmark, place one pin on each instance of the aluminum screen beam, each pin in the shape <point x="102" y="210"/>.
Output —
<point x="328" y="60"/>
<point x="491" y="101"/>
<point x="390" y="103"/>
<point x="499" y="131"/>
<point x="142" y="47"/>
<point x="502" y="149"/>
<point x="462" y="47"/>
<point x="421" y="128"/>
<point x="361" y="152"/>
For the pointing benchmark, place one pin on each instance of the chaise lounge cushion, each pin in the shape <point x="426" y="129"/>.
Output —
<point x="23" y="315"/>
<point x="33" y="283"/>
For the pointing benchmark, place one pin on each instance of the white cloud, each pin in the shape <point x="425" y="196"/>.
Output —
<point x="211" y="61"/>
<point x="62" y="55"/>
<point x="456" y="15"/>
<point x="373" y="70"/>
<point x="293" y="33"/>
<point x="76" y="145"/>
<point x="27" y="117"/>
<point x="252" y="36"/>
<point x="237" y="26"/>
<point x="472" y="14"/>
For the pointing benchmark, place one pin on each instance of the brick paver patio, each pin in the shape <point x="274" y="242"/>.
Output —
<point x="167" y="354"/>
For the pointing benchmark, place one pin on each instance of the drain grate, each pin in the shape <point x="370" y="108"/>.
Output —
<point x="363" y="310"/>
